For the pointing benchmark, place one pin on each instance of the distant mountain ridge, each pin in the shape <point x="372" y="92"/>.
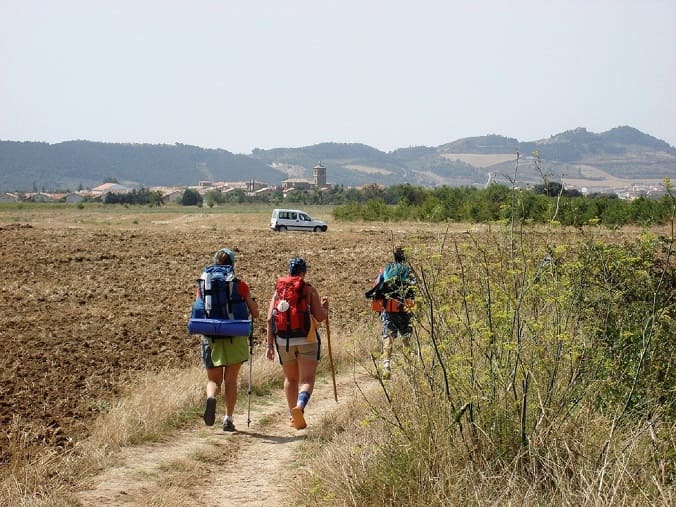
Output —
<point x="619" y="155"/>
<point x="622" y="153"/>
<point x="579" y="140"/>
<point x="71" y="164"/>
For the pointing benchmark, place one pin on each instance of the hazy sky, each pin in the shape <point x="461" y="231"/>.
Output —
<point x="282" y="73"/>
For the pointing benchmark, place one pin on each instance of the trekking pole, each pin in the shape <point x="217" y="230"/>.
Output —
<point x="333" y="370"/>
<point x="248" y="394"/>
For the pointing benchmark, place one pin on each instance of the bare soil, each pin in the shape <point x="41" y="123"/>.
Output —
<point x="91" y="297"/>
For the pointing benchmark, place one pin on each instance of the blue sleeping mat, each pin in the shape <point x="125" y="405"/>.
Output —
<point x="219" y="327"/>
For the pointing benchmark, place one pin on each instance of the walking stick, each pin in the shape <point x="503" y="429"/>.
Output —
<point x="333" y="370"/>
<point x="248" y="394"/>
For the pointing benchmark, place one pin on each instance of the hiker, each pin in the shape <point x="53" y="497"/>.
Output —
<point x="223" y="356"/>
<point x="295" y="310"/>
<point x="392" y="295"/>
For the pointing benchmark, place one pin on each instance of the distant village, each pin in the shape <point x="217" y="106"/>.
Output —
<point x="252" y="188"/>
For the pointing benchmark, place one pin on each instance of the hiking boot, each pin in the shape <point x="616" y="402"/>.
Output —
<point x="297" y="418"/>
<point x="210" y="411"/>
<point x="228" y="424"/>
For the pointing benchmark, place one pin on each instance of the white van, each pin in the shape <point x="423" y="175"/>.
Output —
<point x="295" y="220"/>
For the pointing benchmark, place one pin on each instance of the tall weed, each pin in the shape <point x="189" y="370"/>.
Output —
<point x="540" y="372"/>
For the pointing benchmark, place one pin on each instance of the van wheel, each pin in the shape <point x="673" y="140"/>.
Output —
<point x="281" y="228"/>
<point x="317" y="228"/>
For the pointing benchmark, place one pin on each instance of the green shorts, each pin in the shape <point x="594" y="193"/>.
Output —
<point x="224" y="351"/>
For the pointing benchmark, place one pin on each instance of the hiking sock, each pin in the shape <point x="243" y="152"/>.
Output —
<point x="386" y="369"/>
<point x="303" y="398"/>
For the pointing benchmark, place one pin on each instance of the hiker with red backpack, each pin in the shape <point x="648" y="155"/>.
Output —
<point x="222" y="312"/>
<point x="392" y="296"/>
<point x="295" y="309"/>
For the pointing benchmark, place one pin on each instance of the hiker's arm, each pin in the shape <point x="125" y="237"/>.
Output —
<point x="270" y="319"/>
<point x="251" y="305"/>
<point x="270" y="352"/>
<point x="320" y="309"/>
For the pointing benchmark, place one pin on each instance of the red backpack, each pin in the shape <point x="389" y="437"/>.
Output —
<point x="292" y="321"/>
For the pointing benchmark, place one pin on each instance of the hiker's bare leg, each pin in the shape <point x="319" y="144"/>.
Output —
<point x="231" y="374"/>
<point x="387" y="347"/>
<point x="215" y="376"/>
<point x="291" y="383"/>
<point x="307" y="370"/>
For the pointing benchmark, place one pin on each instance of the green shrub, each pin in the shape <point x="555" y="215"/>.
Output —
<point x="537" y="371"/>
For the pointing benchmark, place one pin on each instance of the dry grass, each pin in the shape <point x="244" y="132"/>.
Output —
<point x="152" y="405"/>
<point x="358" y="453"/>
<point x="361" y="455"/>
<point x="406" y="442"/>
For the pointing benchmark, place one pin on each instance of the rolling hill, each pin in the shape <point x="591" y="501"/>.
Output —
<point x="620" y="156"/>
<point x="74" y="164"/>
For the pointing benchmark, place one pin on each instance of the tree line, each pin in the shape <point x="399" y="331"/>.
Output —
<point x="541" y="204"/>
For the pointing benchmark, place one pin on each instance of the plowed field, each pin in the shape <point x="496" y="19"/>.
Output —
<point x="89" y="297"/>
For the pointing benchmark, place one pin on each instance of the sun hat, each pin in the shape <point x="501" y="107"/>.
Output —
<point x="224" y="256"/>
<point x="297" y="266"/>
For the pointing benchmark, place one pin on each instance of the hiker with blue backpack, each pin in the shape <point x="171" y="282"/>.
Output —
<point x="392" y="297"/>
<point x="222" y="312"/>
<point x="294" y="312"/>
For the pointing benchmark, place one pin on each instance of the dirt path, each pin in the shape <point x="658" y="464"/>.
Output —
<point x="204" y="466"/>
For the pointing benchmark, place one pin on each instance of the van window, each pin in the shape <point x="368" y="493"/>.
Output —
<point x="303" y="216"/>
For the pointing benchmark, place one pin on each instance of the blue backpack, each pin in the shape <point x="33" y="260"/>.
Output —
<point x="396" y="275"/>
<point x="219" y="309"/>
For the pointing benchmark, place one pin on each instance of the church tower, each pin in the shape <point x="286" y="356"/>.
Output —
<point x="319" y="173"/>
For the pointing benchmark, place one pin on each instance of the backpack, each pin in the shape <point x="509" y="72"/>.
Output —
<point x="392" y="291"/>
<point x="219" y="309"/>
<point x="292" y="320"/>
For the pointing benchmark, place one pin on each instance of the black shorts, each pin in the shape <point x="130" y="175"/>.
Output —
<point x="395" y="324"/>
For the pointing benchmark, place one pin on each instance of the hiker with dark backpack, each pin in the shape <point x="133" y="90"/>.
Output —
<point x="221" y="314"/>
<point x="392" y="296"/>
<point x="295" y="309"/>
